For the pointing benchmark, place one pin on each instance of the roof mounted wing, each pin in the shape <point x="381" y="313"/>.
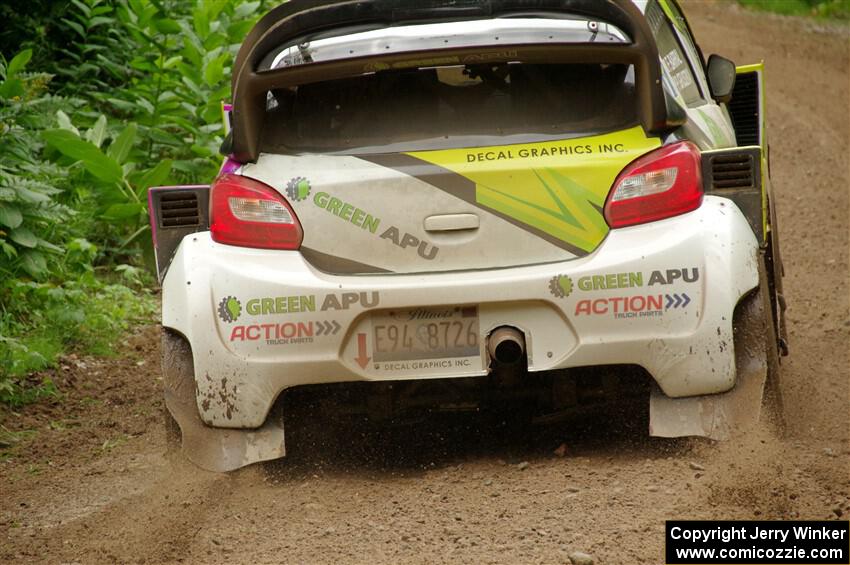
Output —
<point x="298" y="18"/>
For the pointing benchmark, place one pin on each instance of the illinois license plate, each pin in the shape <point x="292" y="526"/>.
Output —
<point x="425" y="333"/>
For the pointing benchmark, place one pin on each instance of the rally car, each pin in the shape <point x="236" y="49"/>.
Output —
<point x="494" y="200"/>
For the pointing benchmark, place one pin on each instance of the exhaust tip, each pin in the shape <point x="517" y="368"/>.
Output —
<point x="508" y="352"/>
<point x="506" y="345"/>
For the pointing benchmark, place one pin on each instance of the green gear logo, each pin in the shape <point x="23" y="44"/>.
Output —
<point x="229" y="309"/>
<point x="561" y="286"/>
<point x="298" y="189"/>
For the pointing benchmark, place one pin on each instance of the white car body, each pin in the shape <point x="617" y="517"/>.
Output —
<point x="244" y="364"/>
<point x="661" y="295"/>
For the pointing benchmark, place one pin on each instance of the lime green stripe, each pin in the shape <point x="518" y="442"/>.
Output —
<point x="558" y="229"/>
<point x="583" y="201"/>
<point x="569" y="218"/>
<point x="750" y="68"/>
<point x="564" y="212"/>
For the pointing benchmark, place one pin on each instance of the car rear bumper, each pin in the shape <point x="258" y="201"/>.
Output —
<point x="660" y="295"/>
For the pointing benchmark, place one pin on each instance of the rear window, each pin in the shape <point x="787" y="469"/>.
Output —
<point x="452" y="106"/>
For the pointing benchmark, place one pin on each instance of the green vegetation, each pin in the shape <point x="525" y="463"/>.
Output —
<point x="831" y="9"/>
<point x="99" y="101"/>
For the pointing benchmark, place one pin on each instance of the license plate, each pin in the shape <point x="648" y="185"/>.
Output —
<point x="425" y="333"/>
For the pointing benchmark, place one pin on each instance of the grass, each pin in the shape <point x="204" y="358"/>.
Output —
<point x="110" y="444"/>
<point x="86" y="316"/>
<point x="825" y="9"/>
<point x="9" y="438"/>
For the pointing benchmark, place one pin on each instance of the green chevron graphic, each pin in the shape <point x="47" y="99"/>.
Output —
<point x="556" y="187"/>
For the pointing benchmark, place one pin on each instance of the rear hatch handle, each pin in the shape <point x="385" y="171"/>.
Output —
<point x="451" y="222"/>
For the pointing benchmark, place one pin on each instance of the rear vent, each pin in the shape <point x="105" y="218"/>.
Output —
<point x="735" y="174"/>
<point x="180" y="209"/>
<point x="744" y="109"/>
<point x="732" y="171"/>
<point x="175" y="212"/>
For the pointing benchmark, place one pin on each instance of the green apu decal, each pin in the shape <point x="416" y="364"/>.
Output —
<point x="561" y="286"/>
<point x="229" y="309"/>
<point x="298" y="189"/>
<point x="370" y="223"/>
<point x="347" y="212"/>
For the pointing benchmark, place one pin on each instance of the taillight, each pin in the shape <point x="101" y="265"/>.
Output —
<point x="248" y="213"/>
<point x="662" y="184"/>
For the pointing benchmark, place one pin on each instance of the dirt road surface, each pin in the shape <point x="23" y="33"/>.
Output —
<point x="92" y="483"/>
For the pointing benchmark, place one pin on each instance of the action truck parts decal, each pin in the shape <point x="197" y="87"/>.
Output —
<point x="640" y="306"/>
<point x="622" y="307"/>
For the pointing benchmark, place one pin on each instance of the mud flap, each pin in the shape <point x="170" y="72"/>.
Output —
<point x="720" y="416"/>
<point x="213" y="449"/>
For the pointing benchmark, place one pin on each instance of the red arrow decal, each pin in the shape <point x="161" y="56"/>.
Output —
<point x="361" y="358"/>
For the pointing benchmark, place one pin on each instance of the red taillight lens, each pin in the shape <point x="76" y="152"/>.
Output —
<point x="662" y="184"/>
<point x="248" y="213"/>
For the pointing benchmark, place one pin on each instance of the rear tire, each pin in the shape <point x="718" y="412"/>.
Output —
<point x="178" y="374"/>
<point x="772" y="404"/>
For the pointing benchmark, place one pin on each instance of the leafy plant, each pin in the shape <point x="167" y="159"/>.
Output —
<point x="165" y="69"/>
<point x="832" y="9"/>
<point x="93" y="57"/>
<point x="50" y="299"/>
<point x="120" y="186"/>
<point x="29" y="213"/>
<point x="137" y="90"/>
<point x="33" y="28"/>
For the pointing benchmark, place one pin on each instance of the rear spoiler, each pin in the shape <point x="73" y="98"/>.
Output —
<point x="297" y="18"/>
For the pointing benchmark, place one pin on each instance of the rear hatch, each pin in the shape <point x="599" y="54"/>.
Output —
<point x="436" y="166"/>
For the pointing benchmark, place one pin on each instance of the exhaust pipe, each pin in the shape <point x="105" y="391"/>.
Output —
<point x="506" y="345"/>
